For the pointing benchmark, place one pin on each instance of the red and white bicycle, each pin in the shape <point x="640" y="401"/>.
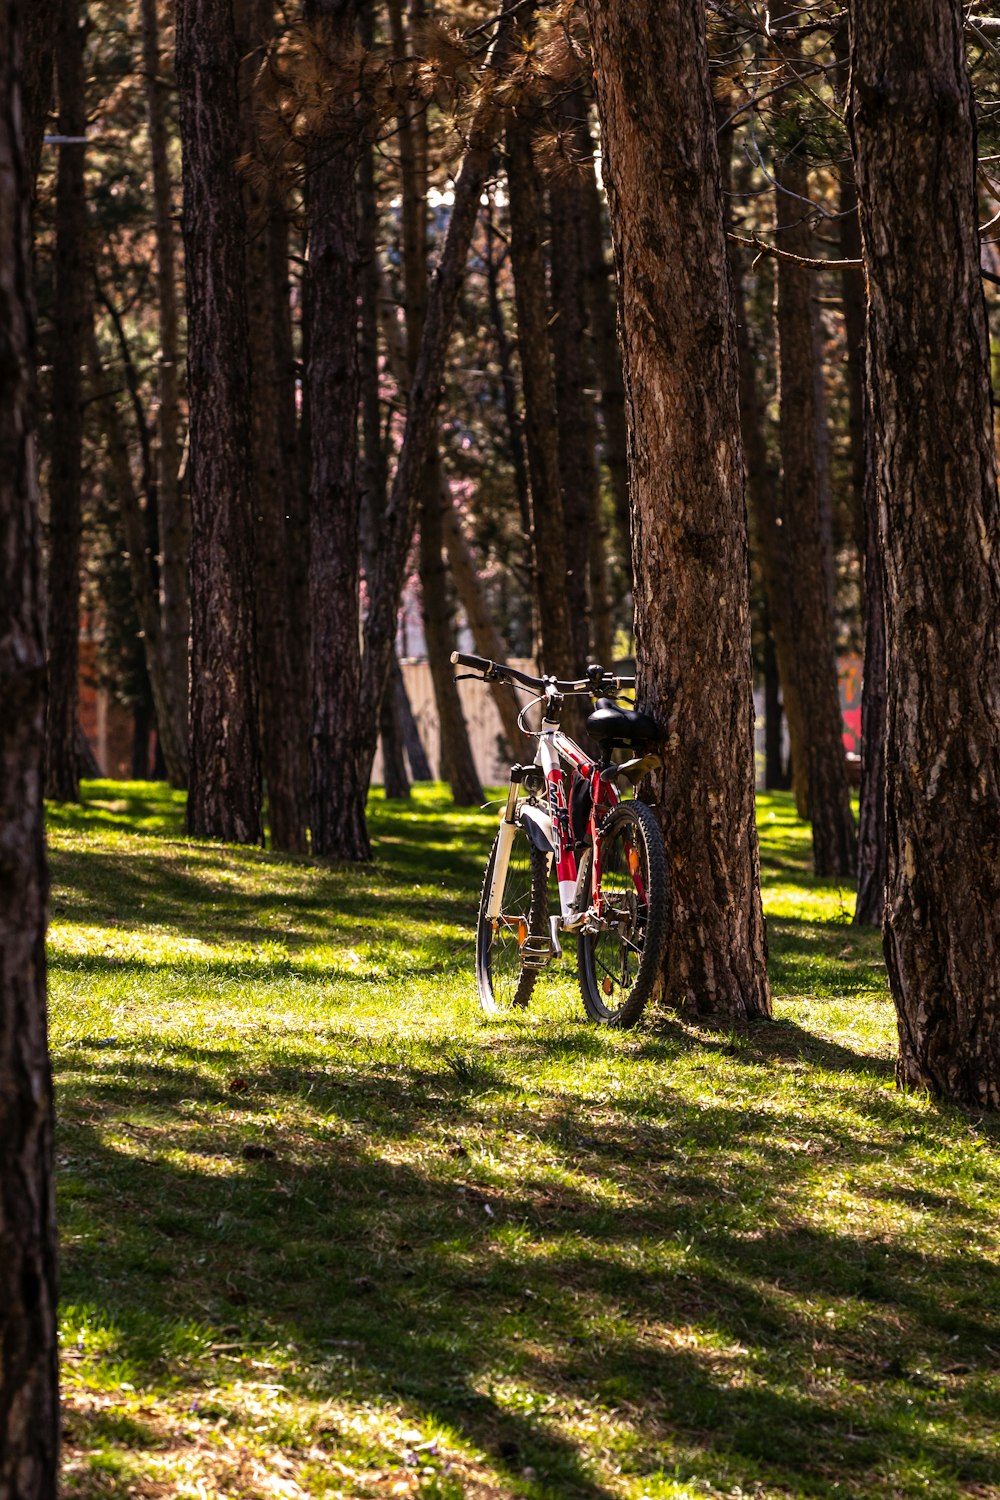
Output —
<point x="607" y="852"/>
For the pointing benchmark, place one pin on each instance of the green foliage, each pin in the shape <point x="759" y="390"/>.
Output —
<point x="327" y="1231"/>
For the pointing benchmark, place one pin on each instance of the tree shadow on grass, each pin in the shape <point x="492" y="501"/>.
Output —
<point x="655" y="1273"/>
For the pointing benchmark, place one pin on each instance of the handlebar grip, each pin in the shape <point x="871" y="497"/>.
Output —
<point x="477" y="663"/>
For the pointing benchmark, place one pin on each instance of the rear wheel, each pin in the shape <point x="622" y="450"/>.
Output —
<point x="619" y="958"/>
<point x="509" y="946"/>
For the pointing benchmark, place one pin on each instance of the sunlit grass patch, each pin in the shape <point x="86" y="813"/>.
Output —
<point x="328" y="1231"/>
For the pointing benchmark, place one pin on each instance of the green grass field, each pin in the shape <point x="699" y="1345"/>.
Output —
<point x="326" y="1231"/>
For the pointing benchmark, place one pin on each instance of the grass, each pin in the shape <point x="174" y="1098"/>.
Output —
<point x="327" y="1231"/>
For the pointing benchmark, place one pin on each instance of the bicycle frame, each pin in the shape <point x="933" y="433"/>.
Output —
<point x="554" y="825"/>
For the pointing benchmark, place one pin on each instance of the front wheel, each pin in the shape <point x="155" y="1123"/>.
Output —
<point x="619" y="956"/>
<point x="511" y="946"/>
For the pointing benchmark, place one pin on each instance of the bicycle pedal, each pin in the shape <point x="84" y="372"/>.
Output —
<point x="535" y="953"/>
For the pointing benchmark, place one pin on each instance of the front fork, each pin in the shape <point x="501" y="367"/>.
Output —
<point x="535" y="955"/>
<point x="508" y="828"/>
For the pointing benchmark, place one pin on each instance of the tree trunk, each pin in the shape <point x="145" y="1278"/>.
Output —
<point x="397" y="532"/>
<point x="772" y="548"/>
<point x="689" y="520"/>
<point x="457" y="765"/>
<point x="224" y="799"/>
<point x="486" y="637"/>
<point x="809" y="600"/>
<point x="607" y="352"/>
<point x="280" y="658"/>
<point x="853" y="302"/>
<point x="37" y="24"/>
<point x="173" y="516"/>
<point x="134" y="528"/>
<point x="508" y="384"/>
<point x="72" y="284"/>
<point x="396" y="782"/>
<point x="576" y="434"/>
<point x="29" y="1395"/>
<point x="870" y="906"/>
<point x="774" y="770"/>
<point x="936" y="486"/>
<point x="420" y="766"/>
<point x="339" y="830"/>
<point x="555" y="584"/>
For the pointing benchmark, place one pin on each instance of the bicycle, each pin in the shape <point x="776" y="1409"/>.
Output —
<point x="608" y="853"/>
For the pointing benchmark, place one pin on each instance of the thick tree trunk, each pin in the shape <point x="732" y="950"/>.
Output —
<point x="72" y="284"/>
<point x="173" y="516"/>
<point x="281" y="662"/>
<point x="809" y="596"/>
<point x="689" y="520"/>
<point x="29" y="1397"/>
<point x="936" y="485"/>
<point x="557" y="589"/>
<point x="339" y="830"/>
<point x="224" y="799"/>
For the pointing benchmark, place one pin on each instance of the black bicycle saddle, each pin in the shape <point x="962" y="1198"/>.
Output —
<point x="613" y="727"/>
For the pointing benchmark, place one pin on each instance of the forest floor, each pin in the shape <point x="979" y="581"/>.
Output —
<point x="327" y="1231"/>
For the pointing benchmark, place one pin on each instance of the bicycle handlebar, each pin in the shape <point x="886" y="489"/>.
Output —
<point x="494" y="671"/>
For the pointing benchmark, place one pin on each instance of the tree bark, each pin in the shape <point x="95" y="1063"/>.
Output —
<point x="853" y="302"/>
<point x="809" y="595"/>
<point x="72" y="284"/>
<point x="576" y="435"/>
<point x="396" y="782"/>
<point x="689" y="520"/>
<point x="607" y="352"/>
<point x="29" y="1395"/>
<point x="38" y="24"/>
<point x="172" y="509"/>
<point x="555" y="584"/>
<point x="224" y="798"/>
<point x="281" y="662"/>
<point x="338" y="823"/>
<point x="870" y="905"/>
<point x="936" y="484"/>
